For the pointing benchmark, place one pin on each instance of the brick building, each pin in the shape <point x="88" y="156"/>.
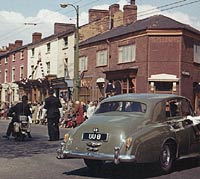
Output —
<point x="29" y="69"/>
<point x="13" y="61"/>
<point x="154" y="55"/>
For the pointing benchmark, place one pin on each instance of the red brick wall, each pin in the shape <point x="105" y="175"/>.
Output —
<point x="16" y="64"/>
<point x="154" y="55"/>
<point x="164" y="55"/>
<point x="188" y="65"/>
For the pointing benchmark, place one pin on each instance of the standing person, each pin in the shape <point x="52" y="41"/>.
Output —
<point x="21" y="108"/>
<point x="90" y="110"/>
<point x="53" y="108"/>
<point x="79" y="113"/>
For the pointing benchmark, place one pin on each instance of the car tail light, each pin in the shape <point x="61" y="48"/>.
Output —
<point x="66" y="137"/>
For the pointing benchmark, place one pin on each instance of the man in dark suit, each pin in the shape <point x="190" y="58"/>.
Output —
<point x="53" y="110"/>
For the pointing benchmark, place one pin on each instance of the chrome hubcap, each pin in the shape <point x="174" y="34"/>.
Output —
<point x="166" y="156"/>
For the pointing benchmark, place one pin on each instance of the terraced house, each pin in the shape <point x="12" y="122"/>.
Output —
<point x="153" y="55"/>
<point x="13" y="62"/>
<point x="30" y="69"/>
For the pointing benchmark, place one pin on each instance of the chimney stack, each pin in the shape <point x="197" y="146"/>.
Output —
<point x="11" y="46"/>
<point x="130" y="13"/>
<point x="96" y="14"/>
<point x="36" y="37"/>
<point x="113" y="8"/>
<point x="18" y="43"/>
<point x="62" y="27"/>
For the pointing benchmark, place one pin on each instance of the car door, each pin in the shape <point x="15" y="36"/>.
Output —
<point x="191" y="121"/>
<point x="182" y="127"/>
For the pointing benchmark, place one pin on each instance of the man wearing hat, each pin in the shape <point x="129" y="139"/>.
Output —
<point x="53" y="110"/>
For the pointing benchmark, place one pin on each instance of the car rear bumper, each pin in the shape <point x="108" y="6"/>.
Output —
<point x="116" y="157"/>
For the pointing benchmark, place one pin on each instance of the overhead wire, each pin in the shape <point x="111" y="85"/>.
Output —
<point x="161" y="9"/>
<point x="139" y="14"/>
<point x="170" y="8"/>
<point x="15" y="31"/>
<point x="166" y="5"/>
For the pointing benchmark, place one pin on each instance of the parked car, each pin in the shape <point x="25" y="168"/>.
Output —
<point x="138" y="128"/>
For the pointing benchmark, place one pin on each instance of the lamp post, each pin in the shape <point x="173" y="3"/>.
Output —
<point x="63" y="5"/>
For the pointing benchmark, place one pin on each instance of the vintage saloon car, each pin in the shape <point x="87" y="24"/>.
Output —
<point x="138" y="128"/>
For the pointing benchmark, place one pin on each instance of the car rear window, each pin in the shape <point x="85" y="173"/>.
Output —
<point x="122" y="106"/>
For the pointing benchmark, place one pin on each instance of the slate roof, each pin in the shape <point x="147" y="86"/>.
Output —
<point x="43" y="40"/>
<point x="157" y="22"/>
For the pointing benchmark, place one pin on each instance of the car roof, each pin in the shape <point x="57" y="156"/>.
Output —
<point x="143" y="97"/>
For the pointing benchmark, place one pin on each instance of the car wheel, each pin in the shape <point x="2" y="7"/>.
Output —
<point x="93" y="164"/>
<point x="166" y="159"/>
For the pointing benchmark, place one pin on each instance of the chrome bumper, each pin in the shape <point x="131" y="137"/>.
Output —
<point x="115" y="157"/>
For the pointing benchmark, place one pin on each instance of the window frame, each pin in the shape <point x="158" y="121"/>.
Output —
<point x="127" y="53"/>
<point x="21" y="72"/>
<point x="196" y="51"/>
<point x="48" y="67"/>
<point x="48" y="47"/>
<point x="83" y="63"/>
<point x="6" y="75"/>
<point x="102" y="58"/>
<point x="13" y="74"/>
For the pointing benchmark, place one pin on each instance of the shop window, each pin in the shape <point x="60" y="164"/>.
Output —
<point x="164" y="87"/>
<point x="128" y="85"/>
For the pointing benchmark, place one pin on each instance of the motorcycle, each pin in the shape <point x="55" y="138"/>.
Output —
<point x="21" y="128"/>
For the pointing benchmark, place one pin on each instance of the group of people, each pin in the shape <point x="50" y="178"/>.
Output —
<point x="78" y="112"/>
<point x="52" y="110"/>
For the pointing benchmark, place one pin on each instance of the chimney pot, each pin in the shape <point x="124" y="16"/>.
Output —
<point x="133" y="2"/>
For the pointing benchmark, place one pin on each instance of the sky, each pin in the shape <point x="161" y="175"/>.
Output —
<point x="20" y="18"/>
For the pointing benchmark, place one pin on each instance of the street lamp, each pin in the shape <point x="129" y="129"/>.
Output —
<point x="63" y="5"/>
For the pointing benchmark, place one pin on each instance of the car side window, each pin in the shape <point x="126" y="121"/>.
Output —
<point x="173" y="108"/>
<point x="158" y="112"/>
<point x="186" y="108"/>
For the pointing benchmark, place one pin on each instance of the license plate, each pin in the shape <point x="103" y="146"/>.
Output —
<point x="95" y="136"/>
